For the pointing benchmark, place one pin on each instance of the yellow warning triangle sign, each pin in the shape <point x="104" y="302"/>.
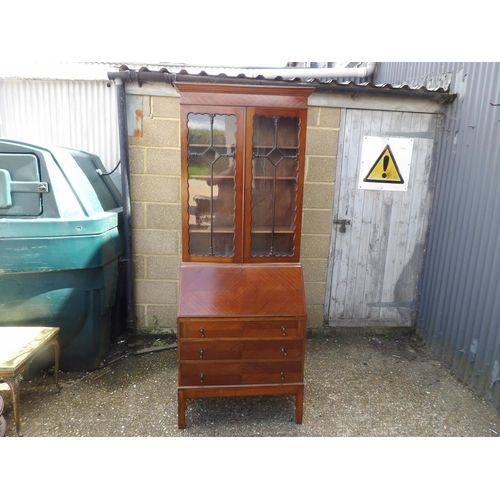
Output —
<point x="385" y="169"/>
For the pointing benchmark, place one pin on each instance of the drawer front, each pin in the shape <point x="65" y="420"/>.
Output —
<point x="273" y="328"/>
<point x="272" y="372"/>
<point x="211" y="329"/>
<point x="207" y="350"/>
<point x="200" y="374"/>
<point x="222" y="373"/>
<point x="282" y="349"/>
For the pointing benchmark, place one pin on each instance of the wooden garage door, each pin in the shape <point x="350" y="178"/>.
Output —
<point x="379" y="233"/>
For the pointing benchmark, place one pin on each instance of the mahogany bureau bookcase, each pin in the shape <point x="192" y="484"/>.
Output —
<point x="241" y="313"/>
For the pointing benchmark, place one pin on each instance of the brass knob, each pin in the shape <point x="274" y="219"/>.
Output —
<point x="283" y="350"/>
<point x="202" y="377"/>
<point x="202" y="331"/>
<point x="282" y="376"/>
<point x="201" y="353"/>
<point x="283" y="328"/>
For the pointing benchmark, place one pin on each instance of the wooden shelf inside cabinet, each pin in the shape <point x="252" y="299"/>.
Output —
<point x="270" y="178"/>
<point x="206" y="229"/>
<point x="205" y="177"/>
<point x="277" y="230"/>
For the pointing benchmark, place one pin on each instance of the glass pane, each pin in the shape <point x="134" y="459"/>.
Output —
<point x="274" y="185"/>
<point x="211" y="184"/>
<point x="283" y="244"/>
<point x="285" y="205"/>
<point x="288" y="133"/>
<point x="262" y="202"/>
<point x="288" y="168"/>
<point x="263" y="133"/>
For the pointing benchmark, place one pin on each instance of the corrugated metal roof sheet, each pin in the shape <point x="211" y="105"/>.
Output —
<point x="242" y="73"/>
<point x="100" y="70"/>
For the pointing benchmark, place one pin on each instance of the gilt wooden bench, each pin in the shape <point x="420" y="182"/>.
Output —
<point x="18" y="347"/>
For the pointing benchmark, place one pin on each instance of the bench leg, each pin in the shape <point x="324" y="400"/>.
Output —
<point x="3" y="423"/>
<point x="14" y="387"/>
<point x="57" y="351"/>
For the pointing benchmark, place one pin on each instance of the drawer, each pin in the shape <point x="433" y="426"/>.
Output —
<point x="194" y="349"/>
<point x="228" y="329"/>
<point x="231" y="373"/>
<point x="211" y="329"/>
<point x="206" y="373"/>
<point x="272" y="372"/>
<point x="272" y="328"/>
<point x="282" y="349"/>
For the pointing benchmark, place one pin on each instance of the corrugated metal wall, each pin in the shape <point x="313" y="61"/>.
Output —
<point x="459" y="316"/>
<point x="71" y="113"/>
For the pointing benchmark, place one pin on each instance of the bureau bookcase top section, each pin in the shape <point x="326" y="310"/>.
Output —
<point x="242" y="155"/>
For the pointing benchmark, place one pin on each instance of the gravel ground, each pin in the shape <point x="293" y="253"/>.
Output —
<point x="356" y="385"/>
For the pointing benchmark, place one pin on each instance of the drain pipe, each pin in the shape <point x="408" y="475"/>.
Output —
<point x="127" y="219"/>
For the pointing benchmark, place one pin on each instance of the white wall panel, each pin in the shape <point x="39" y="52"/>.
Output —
<point x="77" y="113"/>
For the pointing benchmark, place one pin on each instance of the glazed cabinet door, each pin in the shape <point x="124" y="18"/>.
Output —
<point x="274" y="178"/>
<point x="212" y="158"/>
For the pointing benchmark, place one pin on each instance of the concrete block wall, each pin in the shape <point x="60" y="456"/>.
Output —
<point x="155" y="168"/>
<point x="321" y="160"/>
<point x="156" y="210"/>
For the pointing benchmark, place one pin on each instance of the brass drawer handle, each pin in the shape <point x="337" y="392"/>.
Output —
<point x="202" y="377"/>
<point x="283" y="350"/>
<point x="282" y="376"/>
<point x="202" y="331"/>
<point x="201" y="353"/>
<point x="283" y="328"/>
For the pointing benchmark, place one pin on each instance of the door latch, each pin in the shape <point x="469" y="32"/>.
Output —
<point x="343" y="223"/>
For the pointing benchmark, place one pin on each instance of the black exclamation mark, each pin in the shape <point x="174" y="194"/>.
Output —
<point x="386" y="164"/>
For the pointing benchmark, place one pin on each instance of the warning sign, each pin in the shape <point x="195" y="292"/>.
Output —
<point x="385" y="169"/>
<point x="385" y="163"/>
